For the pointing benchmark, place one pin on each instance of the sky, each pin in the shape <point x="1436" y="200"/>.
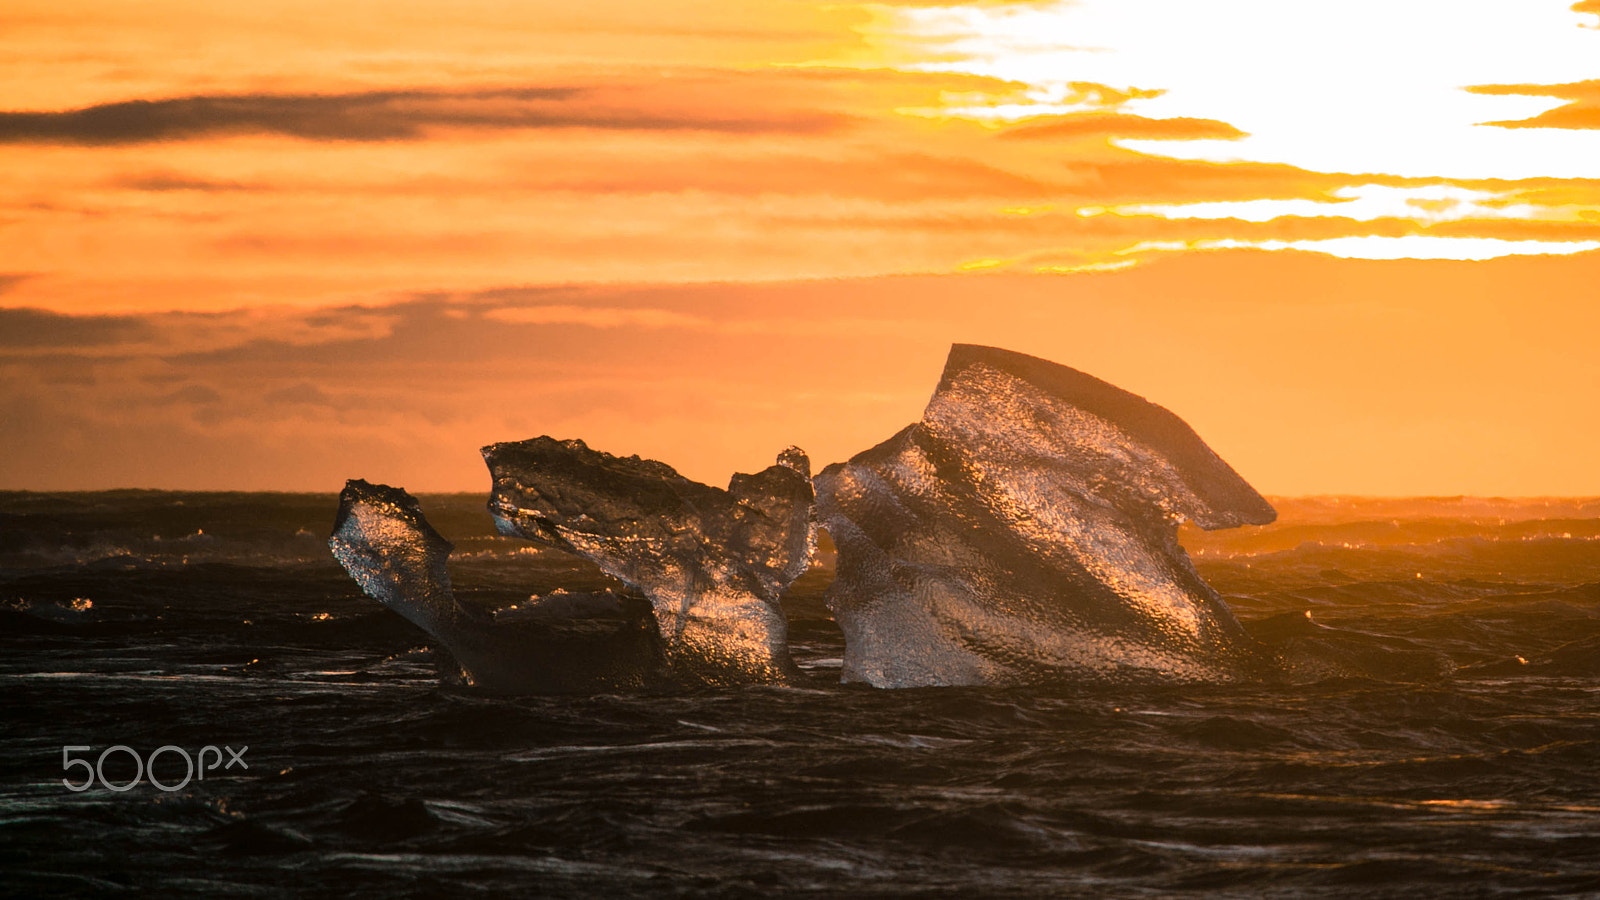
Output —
<point x="271" y="246"/>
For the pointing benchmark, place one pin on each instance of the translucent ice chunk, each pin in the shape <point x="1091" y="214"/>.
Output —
<point x="1026" y="530"/>
<point x="712" y="562"/>
<point x="563" y="642"/>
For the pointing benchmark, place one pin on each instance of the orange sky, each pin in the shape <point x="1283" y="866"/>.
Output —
<point x="271" y="245"/>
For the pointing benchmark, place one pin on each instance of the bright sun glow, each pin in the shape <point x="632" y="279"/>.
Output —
<point x="1365" y="87"/>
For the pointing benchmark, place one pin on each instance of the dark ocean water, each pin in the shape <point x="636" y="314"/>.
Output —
<point x="1466" y="763"/>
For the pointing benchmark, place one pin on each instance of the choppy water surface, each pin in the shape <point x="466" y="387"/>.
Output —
<point x="150" y="619"/>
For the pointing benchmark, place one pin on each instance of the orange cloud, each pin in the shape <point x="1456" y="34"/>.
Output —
<point x="1126" y="177"/>
<point x="396" y="115"/>
<point x="1114" y="125"/>
<point x="89" y="52"/>
<point x="1582" y="110"/>
<point x="162" y="182"/>
<point x="888" y="174"/>
<point x="212" y="224"/>
<point x="628" y="164"/>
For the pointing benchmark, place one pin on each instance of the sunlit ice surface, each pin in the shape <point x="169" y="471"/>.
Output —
<point x="1369" y="87"/>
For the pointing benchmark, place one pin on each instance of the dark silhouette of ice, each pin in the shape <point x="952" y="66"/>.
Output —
<point x="1026" y="530"/>
<point x="712" y="562"/>
<point x="562" y="642"/>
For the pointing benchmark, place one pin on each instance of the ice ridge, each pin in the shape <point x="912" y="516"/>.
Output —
<point x="1025" y="530"/>
<point x="712" y="562"/>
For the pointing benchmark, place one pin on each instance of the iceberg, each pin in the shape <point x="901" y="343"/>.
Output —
<point x="560" y="643"/>
<point x="712" y="562"/>
<point x="1025" y="531"/>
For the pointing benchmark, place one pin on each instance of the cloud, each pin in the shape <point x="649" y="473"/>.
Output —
<point x="192" y="395"/>
<point x="9" y="280"/>
<point x="398" y="115"/>
<point x="1123" y="177"/>
<point x="27" y="332"/>
<point x="37" y="328"/>
<point x="596" y="317"/>
<point x="878" y="173"/>
<point x="1582" y="110"/>
<point x="1114" y="125"/>
<point x="301" y="392"/>
<point x="218" y="225"/>
<point x="162" y="182"/>
<point x="1571" y="232"/>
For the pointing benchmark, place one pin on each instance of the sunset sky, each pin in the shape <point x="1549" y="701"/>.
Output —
<point x="278" y="244"/>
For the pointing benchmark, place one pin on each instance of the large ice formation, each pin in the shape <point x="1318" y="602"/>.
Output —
<point x="712" y="562"/>
<point x="561" y="642"/>
<point x="1026" y="530"/>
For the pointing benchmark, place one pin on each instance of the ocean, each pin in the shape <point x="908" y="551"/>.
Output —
<point x="140" y="628"/>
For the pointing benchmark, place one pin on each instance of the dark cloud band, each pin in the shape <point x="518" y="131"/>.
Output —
<point x="388" y="116"/>
<point x="37" y="328"/>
